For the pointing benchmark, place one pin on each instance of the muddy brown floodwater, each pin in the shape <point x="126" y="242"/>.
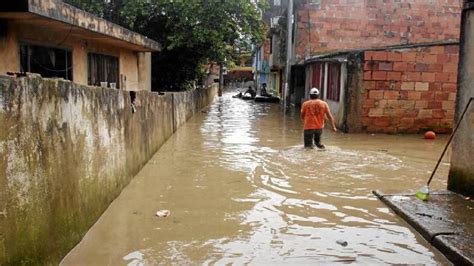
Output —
<point x="241" y="189"/>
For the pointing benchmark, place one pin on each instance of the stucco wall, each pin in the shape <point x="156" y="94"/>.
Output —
<point x="23" y="31"/>
<point x="66" y="151"/>
<point x="144" y="71"/>
<point x="129" y="68"/>
<point x="461" y="174"/>
<point x="9" y="50"/>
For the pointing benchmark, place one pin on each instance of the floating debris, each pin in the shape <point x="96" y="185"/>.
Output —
<point x="342" y="243"/>
<point x="163" y="213"/>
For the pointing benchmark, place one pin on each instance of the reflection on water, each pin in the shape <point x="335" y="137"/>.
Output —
<point x="241" y="189"/>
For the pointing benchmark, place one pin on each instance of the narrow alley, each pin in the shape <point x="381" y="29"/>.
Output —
<point x="240" y="189"/>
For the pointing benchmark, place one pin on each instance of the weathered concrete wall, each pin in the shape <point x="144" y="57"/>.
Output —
<point x="410" y="90"/>
<point x="461" y="173"/>
<point x="66" y="151"/>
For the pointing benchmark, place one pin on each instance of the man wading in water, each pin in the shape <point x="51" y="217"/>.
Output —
<point x="313" y="113"/>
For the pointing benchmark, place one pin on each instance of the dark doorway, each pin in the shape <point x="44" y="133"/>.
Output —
<point x="297" y="88"/>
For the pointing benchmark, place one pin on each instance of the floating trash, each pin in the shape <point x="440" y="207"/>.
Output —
<point x="342" y="243"/>
<point x="163" y="213"/>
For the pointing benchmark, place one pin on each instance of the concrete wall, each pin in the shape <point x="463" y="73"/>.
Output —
<point x="22" y="31"/>
<point x="66" y="151"/>
<point x="461" y="174"/>
<point x="323" y="25"/>
<point x="409" y="90"/>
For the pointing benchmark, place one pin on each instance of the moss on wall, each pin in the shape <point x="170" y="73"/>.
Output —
<point x="66" y="151"/>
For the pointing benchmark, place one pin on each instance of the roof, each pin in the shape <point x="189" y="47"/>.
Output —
<point x="55" y="14"/>
<point x="342" y="55"/>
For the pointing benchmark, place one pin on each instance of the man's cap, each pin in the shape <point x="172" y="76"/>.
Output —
<point x="314" y="91"/>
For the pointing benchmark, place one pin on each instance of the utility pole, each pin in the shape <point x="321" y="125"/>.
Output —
<point x="289" y="24"/>
<point x="221" y="79"/>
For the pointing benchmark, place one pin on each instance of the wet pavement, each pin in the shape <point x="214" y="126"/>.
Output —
<point x="445" y="220"/>
<point x="241" y="189"/>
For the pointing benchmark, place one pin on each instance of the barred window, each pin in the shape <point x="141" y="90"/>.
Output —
<point x="103" y="68"/>
<point x="49" y="62"/>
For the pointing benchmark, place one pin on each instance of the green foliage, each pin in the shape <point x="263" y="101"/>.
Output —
<point x="192" y="32"/>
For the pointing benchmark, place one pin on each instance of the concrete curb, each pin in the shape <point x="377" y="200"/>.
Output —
<point x="441" y="233"/>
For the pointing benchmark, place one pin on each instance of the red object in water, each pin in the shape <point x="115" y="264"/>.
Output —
<point x="430" y="135"/>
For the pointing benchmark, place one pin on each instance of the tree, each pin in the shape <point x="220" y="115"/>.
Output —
<point x="192" y="32"/>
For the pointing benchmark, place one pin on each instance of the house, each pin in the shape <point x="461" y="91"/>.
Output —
<point x="399" y="89"/>
<point x="269" y="58"/>
<point x="360" y="53"/>
<point x="55" y="39"/>
<point x="241" y="74"/>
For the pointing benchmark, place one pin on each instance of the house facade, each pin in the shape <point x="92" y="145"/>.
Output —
<point x="347" y="47"/>
<point x="54" y="39"/>
<point x="400" y="89"/>
<point x="240" y="76"/>
<point x="269" y="58"/>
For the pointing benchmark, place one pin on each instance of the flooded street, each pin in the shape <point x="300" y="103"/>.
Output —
<point x="241" y="189"/>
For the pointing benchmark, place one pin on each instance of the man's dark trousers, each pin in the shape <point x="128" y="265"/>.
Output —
<point x="310" y="135"/>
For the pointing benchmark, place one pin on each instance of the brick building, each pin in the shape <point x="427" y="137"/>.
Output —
<point x="382" y="65"/>
<point x="409" y="90"/>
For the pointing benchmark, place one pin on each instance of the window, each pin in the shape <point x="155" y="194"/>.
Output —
<point x="274" y="22"/>
<point x="276" y="2"/>
<point x="103" y="68"/>
<point x="317" y="78"/>
<point x="334" y="82"/>
<point x="47" y="61"/>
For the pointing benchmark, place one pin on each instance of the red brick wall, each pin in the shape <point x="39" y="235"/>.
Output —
<point x="409" y="90"/>
<point x="331" y="25"/>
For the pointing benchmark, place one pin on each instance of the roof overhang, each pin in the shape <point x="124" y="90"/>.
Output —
<point x="56" y="15"/>
<point x="329" y="57"/>
<point x="343" y="55"/>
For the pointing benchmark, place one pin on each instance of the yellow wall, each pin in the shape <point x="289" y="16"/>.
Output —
<point x="29" y="33"/>
<point x="129" y="69"/>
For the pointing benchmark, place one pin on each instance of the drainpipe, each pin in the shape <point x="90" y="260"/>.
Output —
<point x="289" y="22"/>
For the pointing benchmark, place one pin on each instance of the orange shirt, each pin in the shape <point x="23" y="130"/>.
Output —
<point x="312" y="113"/>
